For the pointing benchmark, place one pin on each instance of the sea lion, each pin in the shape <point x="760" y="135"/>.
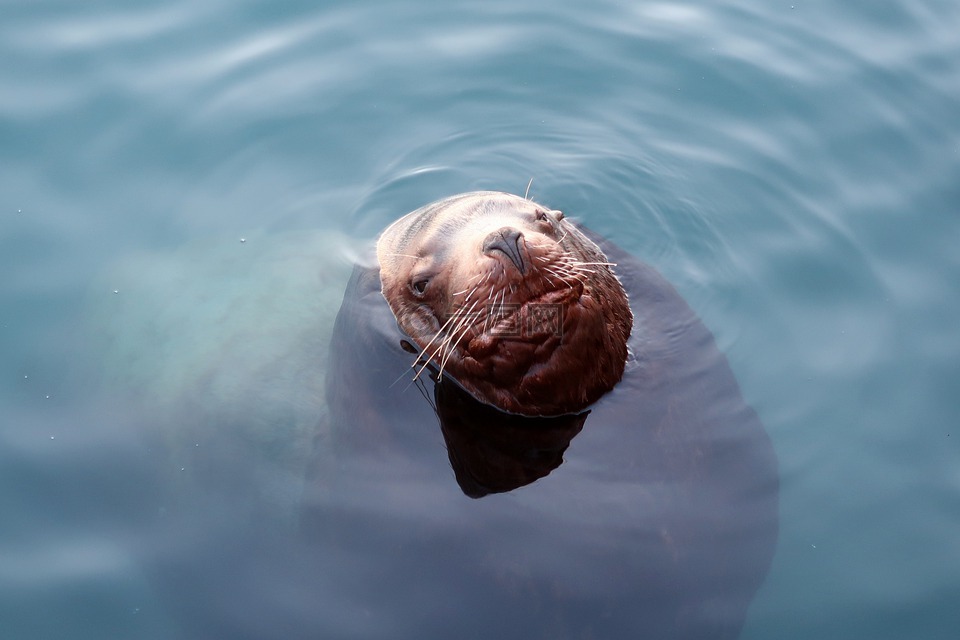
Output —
<point x="651" y="513"/>
<point x="509" y="298"/>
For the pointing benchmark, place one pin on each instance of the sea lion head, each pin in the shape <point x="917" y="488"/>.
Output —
<point x="510" y="299"/>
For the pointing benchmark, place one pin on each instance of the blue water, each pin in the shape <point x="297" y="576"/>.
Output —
<point x="793" y="168"/>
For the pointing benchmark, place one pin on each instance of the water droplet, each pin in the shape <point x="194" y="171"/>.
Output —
<point x="116" y="291"/>
<point x="52" y="437"/>
<point x="242" y="240"/>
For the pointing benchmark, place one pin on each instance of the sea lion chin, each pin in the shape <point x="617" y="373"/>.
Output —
<point x="508" y="298"/>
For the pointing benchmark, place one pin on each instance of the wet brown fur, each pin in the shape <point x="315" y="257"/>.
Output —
<point x="467" y="279"/>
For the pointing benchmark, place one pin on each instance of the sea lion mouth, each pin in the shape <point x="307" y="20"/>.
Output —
<point x="532" y="319"/>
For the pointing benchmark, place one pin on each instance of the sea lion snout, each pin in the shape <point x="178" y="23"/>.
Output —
<point x="507" y="241"/>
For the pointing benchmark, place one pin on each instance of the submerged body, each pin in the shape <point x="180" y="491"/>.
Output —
<point x="509" y="298"/>
<point x="651" y="514"/>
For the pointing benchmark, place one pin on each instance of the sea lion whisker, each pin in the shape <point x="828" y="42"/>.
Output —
<point x="470" y="297"/>
<point x="468" y="285"/>
<point x="420" y="387"/>
<point x="565" y="276"/>
<point x="581" y="270"/>
<point x="475" y="287"/>
<point x="459" y="329"/>
<point x="429" y="360"/>
<point x="440" y="347"/>
<point x="443" y="363"/>
<point x="448" y="349"/>
<point x="492" y="305"/>
<point x="465" y="316"/>
<point x="563" y="279"/>
<point x="462" y="318"/>
<point x="572" y="270"/>
<point x="398" y="379"/>
<point x="560" y="270"/>
<point x="445" y="352"/>
<point x="435" y="336"/>
<point x="425" y="364"/>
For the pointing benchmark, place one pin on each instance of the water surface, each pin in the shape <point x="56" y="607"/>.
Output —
<point x="792" y="168"/>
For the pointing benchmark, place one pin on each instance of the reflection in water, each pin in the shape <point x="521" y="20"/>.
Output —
<point x="661" y="521"/>
<point x="492" y="451"/>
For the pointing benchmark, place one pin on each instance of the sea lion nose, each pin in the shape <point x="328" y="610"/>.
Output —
<point x="507" y="241"/>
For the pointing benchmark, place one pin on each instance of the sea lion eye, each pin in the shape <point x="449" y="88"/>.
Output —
<point x="549" y="216"/>
<point x="419" y="286"/>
